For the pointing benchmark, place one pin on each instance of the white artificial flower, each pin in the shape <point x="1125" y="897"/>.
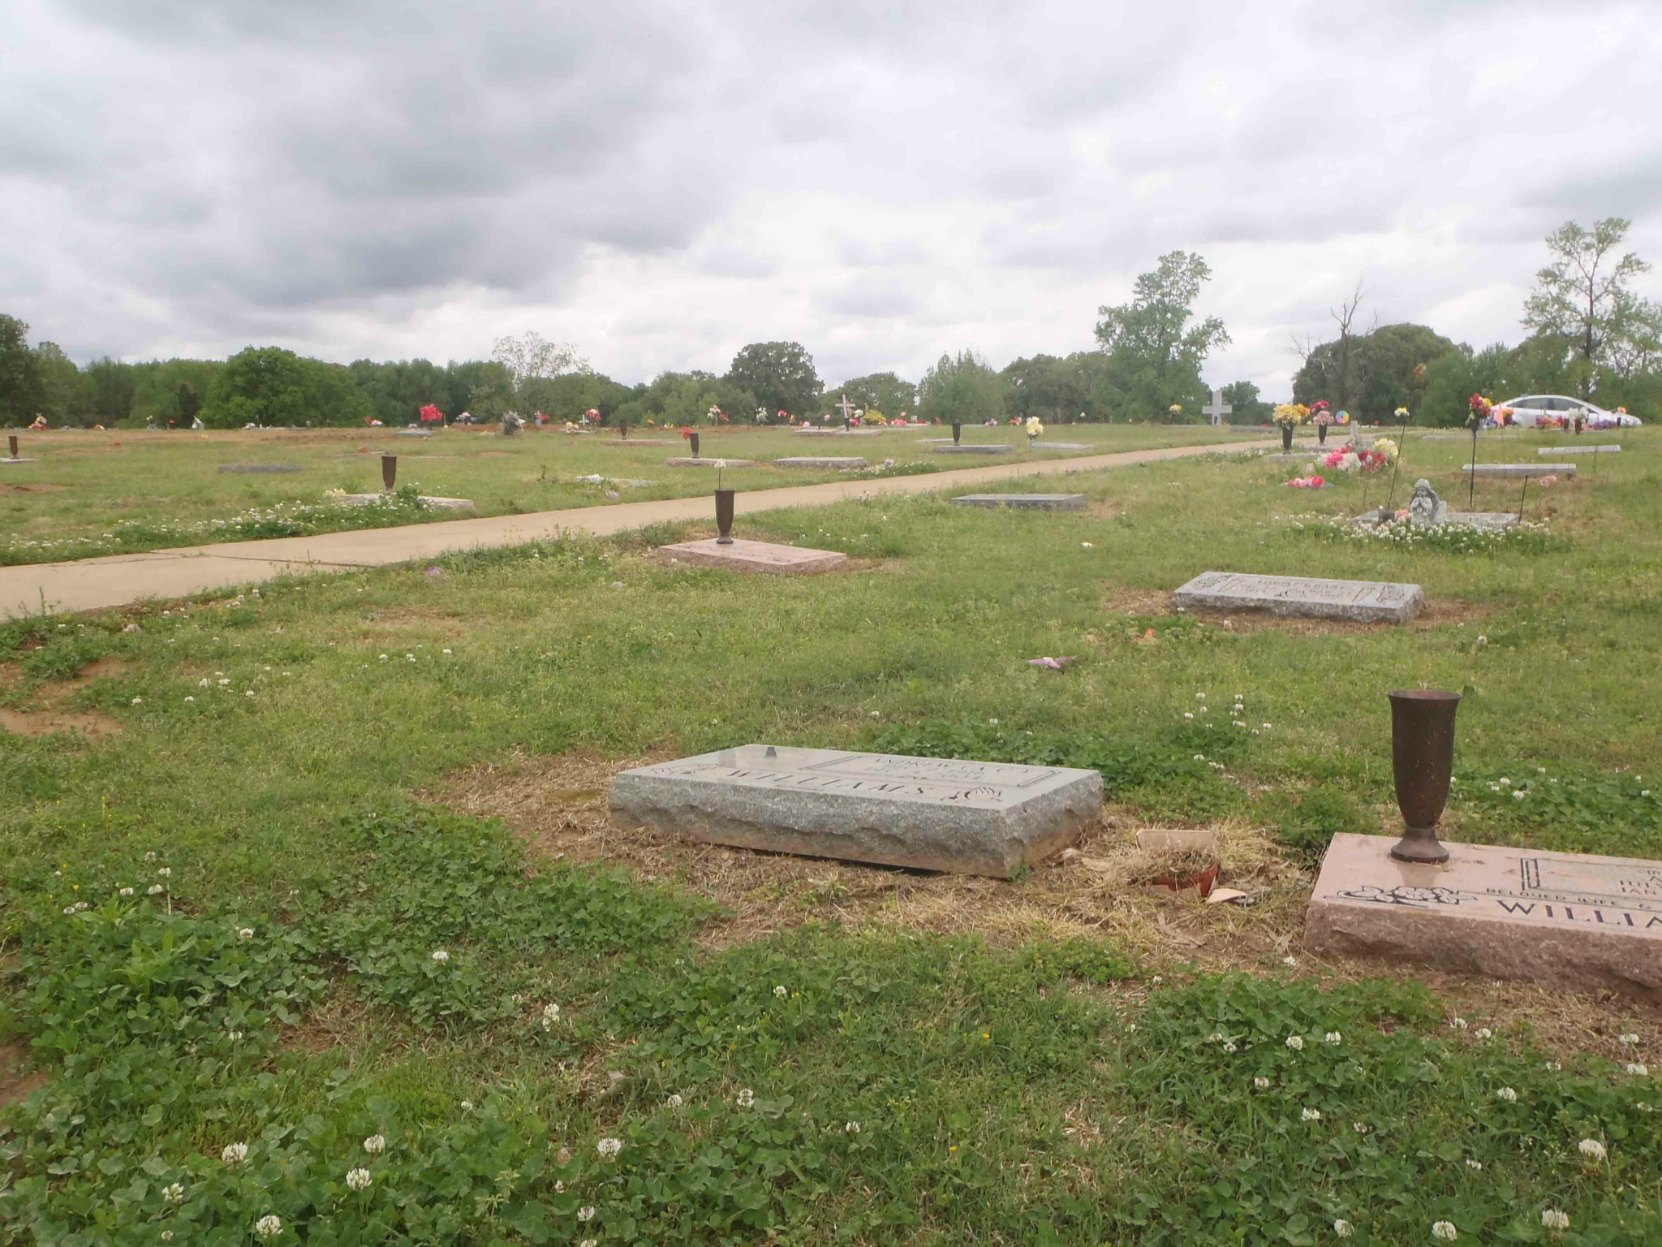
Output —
<point x="745" y="1098"/>
<point x="1592" y="1149"/>
<point x="1507" y="1094"/>
<point x="357" y="1179"/>
<point x="269" y="1226"/>
<point x="234" y="1153"/>
<point x="609" y="1148"/>
<point x="440" y="956"/>
<point x="1343" y="1228"/>
<point x="1445" y="1231"/>
<point x="1296" y="1042"/>
<point x="1553" y="1219"/>
<point x="375" y="1144"/>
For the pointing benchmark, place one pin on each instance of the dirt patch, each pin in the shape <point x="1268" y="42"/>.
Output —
<point x="32" y="489"/>
<point x="1143" y="603"/>
<point x="15" y="1085"/>
<point x="1102" y="509"/>
<point x="1104" y="888"/>
<point x="45" y="714"/>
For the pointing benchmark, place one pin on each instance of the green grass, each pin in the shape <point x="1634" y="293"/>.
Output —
<point x="1006" y="1090"/>
<point x="89" y="493"/>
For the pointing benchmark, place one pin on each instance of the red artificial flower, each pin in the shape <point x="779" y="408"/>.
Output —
<point x="431" y="414"/>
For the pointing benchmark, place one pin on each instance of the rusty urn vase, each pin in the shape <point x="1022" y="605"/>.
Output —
<point x="11" y="442"/>
<point x="693" y="438"/>
<point x="724" y="517"/>
<point x="1422" y="761"/>
<point x="389" y="471"/>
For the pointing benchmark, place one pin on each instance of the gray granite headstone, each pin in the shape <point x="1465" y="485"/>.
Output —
<point x="1363" y="601"/>
<point x="1023" y="502"/>
<point x="979" y="818"/>
<point x="1520" y="469"/>
<point x="969" y="449"/>
<point x="842" y="463"/>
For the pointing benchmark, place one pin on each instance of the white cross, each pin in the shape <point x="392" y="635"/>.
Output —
<point x="846" y="406"/>
<point x="1218" y="408"/>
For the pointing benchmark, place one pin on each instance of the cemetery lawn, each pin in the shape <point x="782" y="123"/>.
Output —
<point x="362" y="822"/>
<point x="90" y="493"/>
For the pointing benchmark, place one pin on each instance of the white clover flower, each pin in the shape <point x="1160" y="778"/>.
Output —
<point x="1296" y="1042"/>
<point x="1507" y="1094"/>
<point x="189" y="698"/>
<point x="1289" y="961"/>
<point x="587" y="1242"/>
<point x="1343" y="1228"/>
<point x="1474" y="1164"/>
<point x="1554" y="1219"/>
<point x="375" y="1144"/>
<point x="1261" y="1083"/>
<point x="745" y="1098"/>
<point x="1311" y="1114"/>
<point x="357" y="1179"/>
<point x="69" y="909"/>
<point x="1334" y="1037"/>
<point x="440" y="956"/>
<point x="245" y="933"/>
<point x="234" y="1153"/>
<point x="1628" y="1039"/>
<point x="1361" y="1127"/>
<point x="1200" y="696"/>
<point x="466" y="1106"/>
<point x="1459" y="1024"/>
<point x="585" y="1214"/>
<point x="1483" y="1032"/>
<point x="1444" y="1230"/>
<point x="269" y="1226"/>
<point x="166" y="872"/>
<point x="173" y="1193"/>
<point x="1637" y="1069"/>
<point x="550" y="1015"/>
<point x="1592" y="1149"/>
<point x="233" y="1036"/>
<point x="674" y="1100"/>
<point x="1229" y="1046"/>
<point x="781" y="991"/>
<point x="609" y="1148"/>
<point x="851" y="1127"/>
<point x="1555" y="1067"/>
<point x="1215" y="1037"/>
<point x="125" y="891"/>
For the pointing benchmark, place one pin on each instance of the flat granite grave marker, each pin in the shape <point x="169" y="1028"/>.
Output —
<point x="259" y="469"/>
<point x="977" y="818"/>
<point x="1023" y="502"/>
<point x="1579" y="450"/>
<point x="968" y="448"/>
<point x="687" y="461"/>
<point x="1520" y="469"/>
<point x="1569" y="919"/>
<point x="438" y="504"/>
<point x="809" y="432"/>
<point x="1057" y="446"/>
<point x="1363" y="601"/>
<point x="843" y="463"/>
<point x="755" y="556"/>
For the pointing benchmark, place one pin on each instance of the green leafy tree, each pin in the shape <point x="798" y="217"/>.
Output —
<point x="480" y="387"/>
<point x="1056" y="390"/>
<point x="1385" y="370"/>
<point x="1246" y="407"/>
<point x="685" y="398"/>
<point x="1154" y="346"/>
<point x="961" y="387"/>
<point x="532" y="361"/>
<point x="1585" y="299"/>
<point x="780" y="375"/>
<point x="267" y="386"/>
<point x="108" y="387"/>
<point x="20" y="386"/>
<point x="60" y="383"/>
<point x="883" y="391"/>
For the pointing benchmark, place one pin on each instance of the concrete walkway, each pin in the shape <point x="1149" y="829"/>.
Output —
<point x="121" y="579"/>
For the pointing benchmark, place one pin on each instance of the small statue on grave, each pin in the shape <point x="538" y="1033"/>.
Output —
<point x="1425" y="507"/>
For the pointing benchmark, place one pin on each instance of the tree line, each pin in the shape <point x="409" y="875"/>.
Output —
<point x="1590" y="334"/>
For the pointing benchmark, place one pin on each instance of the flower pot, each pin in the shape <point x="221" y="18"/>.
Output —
<point x="1321" y="435"/>
<point x="1422" y="762"/>
<point x="389" y="472"/>
<point x="693" y="438"/>
<point x="1286" y="438"/>
<point x="724" y="517"/>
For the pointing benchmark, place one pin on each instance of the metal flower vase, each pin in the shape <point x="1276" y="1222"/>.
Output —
<point x="1286" y="439"/>
<point x="957" y="431"/>
<point x="724" y="517"/>
<point x="693" y="438"/>
<point x="1321" y="435"/>
<point x="1422" y="761"/>
<point x="389" y="472"/>
<point x="11" y="441"/>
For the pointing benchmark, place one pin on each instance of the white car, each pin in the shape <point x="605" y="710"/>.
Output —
<point x="1527" y="411"/>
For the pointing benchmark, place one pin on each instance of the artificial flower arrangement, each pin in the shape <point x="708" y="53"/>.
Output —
<point x="1481" y="409"/>
<point x="1313" y="481"/>
<point x="1287" y="415"/>
<point x="1035" y="429"/>
<point x="1176" y="409"/>
<point x="1319" y="414"/>
<point x="591" y="416"/>
<point x="1366" y="460"/>
<point x="686" y="431"/>
<point x="785" y="417"/>
<point x="431" y="415"/>
<point x="1342" y="419"/>
<point x="1401" y="413"/>
<point x="716" y="415"/>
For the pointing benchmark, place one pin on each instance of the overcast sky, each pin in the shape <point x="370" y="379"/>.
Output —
<point x="661" y="183"/>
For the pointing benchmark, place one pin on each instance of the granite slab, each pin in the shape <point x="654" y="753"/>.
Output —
<point x="636" y="441"/>
<point x="968" y="448"/>
<point x="839" y="432"/>
<point x="440" y="504"/>
<point x="22" y="459"/>
<point x="1362" y="601"/>
<point x="412" y="433"/>
<point x="1567" y="919"/>
<point x="1519" y="469"/>
<point x="842" y="463"/>
<point x="258" y="469"/>
<point x="687" y="461"/>
<point x="1058" y="446"/>
<point x="755" y="556"/>
<point x="1023" y="502"/>
<point x="1579" y="450"/>
<point x="965" y="817"/>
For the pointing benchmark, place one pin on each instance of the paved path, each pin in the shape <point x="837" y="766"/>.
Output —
<point x="120" y="579"/>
